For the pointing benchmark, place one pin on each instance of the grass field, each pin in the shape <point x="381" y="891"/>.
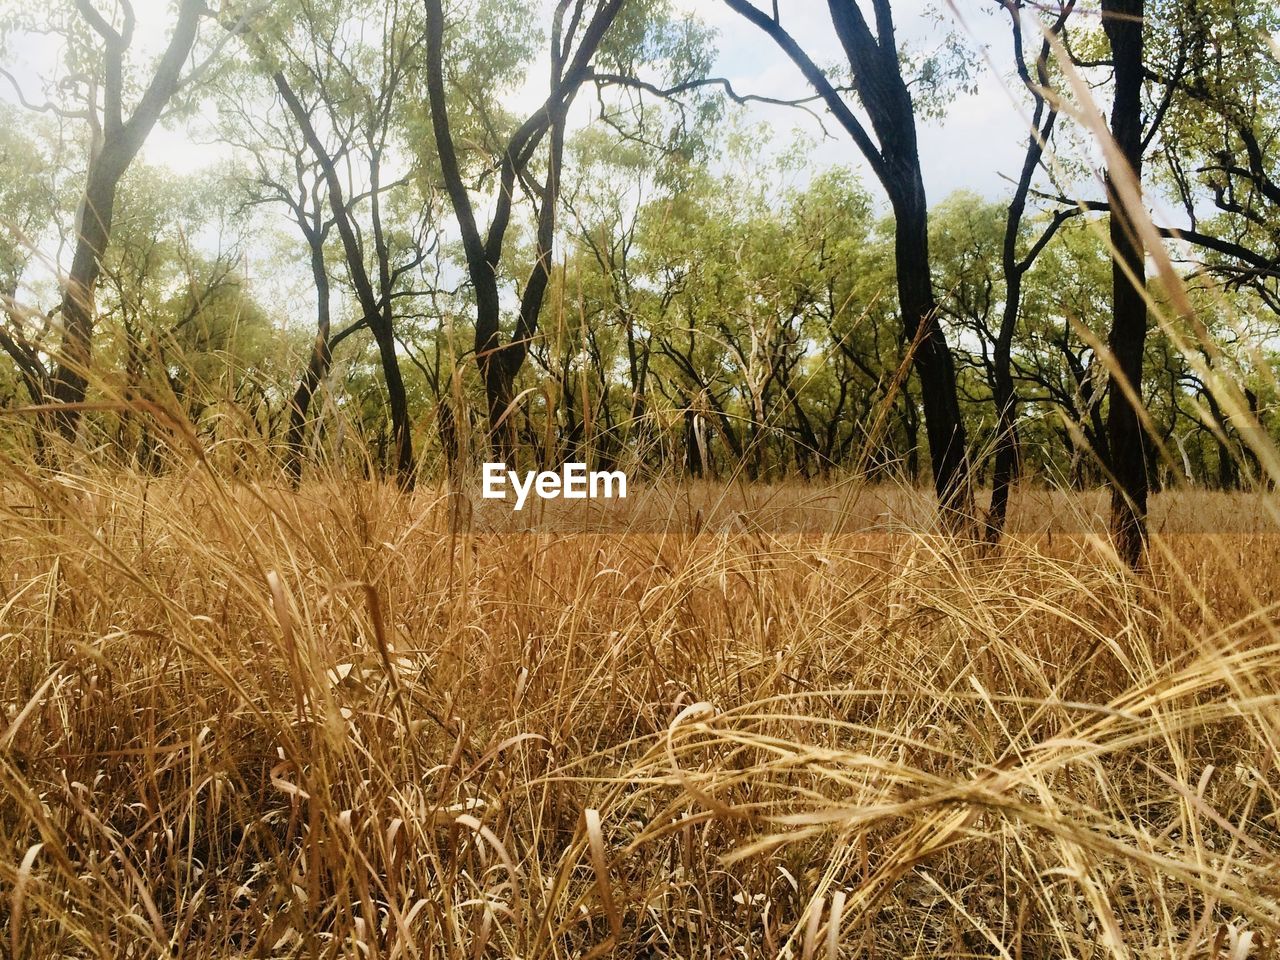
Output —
<point x="245" y="722"/>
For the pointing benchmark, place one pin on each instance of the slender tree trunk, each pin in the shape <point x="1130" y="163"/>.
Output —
<point x="807" y="445"/>
<point x="1089" y="415"/>
<point x="397" y="400"/>
<point x="383" y="328"/>
<point x="1122" y="20"/>
<point x="499" y="363"/>
<point x="633" y="366"/>
<point x="499" y="392"/>
<point x="873" y="57"/>
<point x="1251" y="462"/>
<point x="375" y="304"/>
<point x="70" y="378"/>
<point x="1006" y="458"/>
<point x="570" y="447"/>
<point x="911" y="426"/>
<point x="878" y="76"/>
<point x="317" y="368"/>
<point x="1228" y="475"/>
<point x="121" y="141"/>
<point x="944" y="426"/>
<point x="1003" y="391"/>
<point x="447" y="427"/>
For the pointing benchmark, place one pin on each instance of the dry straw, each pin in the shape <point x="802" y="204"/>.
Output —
<point x="241" y="720"/>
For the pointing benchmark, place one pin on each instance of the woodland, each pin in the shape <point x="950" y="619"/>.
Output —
<point x="626" y="267"/>
<point x="935" y="345"/>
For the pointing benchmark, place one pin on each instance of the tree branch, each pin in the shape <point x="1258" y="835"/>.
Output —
<point x="817" y="79"/>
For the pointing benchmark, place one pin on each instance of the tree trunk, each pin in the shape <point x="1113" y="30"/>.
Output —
<point x="1228" y="475"/>
<point x="70" y="379"/>
<point x="317" y="369"/>
<point x="1122" y="20"/>
<point x="877" y="75"/>
<point x="121" y="141"/>
<point x="447" y="428"/>
<point x="911" y="426"/>
<point x="500" y="363"/>
<point x="397" y="401"/>
<point x="944" y="427"/>
<point x="499" y="391"/>
<point x="1003" y="391"/>
<point x="1006" y="458"/>
<point x="375" y="304"/>
<point x="807" y="445"/>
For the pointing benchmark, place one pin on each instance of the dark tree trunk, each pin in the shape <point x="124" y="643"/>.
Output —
<point x="935" y="367"/>
<point x="1228" y="475"/>
<point x="807" y="444"/>
<point x="499" y="392"/>
<point x="1122" y="20"/>
<point x="1252" y="464"/>
<point x="397" y="399"/>
<point x="70" y="378"/>
<point x="121" y="141"/>
<point x="877" y="74"/>
<point x="911" y="426"/>
<point x="317" y="367"/>
<point x="1006" y="457"/>
<point x="376" y="309"/>
<point x="1003" y="390"/>
<point x="498" y="363"/>
<point x="575" y="429"/>
<point x="1094" y="427"/>
<point x="638" y="368"/>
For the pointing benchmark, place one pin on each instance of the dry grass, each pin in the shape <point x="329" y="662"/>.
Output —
<point x="246" y="722"/>
<point x="844" y="506"/>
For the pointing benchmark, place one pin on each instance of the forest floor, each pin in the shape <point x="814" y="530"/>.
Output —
<point x="244" y="721"/>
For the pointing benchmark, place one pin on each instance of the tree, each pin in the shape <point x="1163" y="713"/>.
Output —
<point x="115" y="142"/>
<point x="1004" y="394"/>
<point x="1206" y="74"/>
<point x="603" y="205"/>
<point x="578" y="30"/>
<point x="894" y="157"/>
<point x="1123" y="22"/>
<point x="351" y="91"/>
<point x="287" y="175"/>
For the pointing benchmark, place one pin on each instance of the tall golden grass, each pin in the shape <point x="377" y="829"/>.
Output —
<point x="240" y="720"/>
<point x="243" y="721"/>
